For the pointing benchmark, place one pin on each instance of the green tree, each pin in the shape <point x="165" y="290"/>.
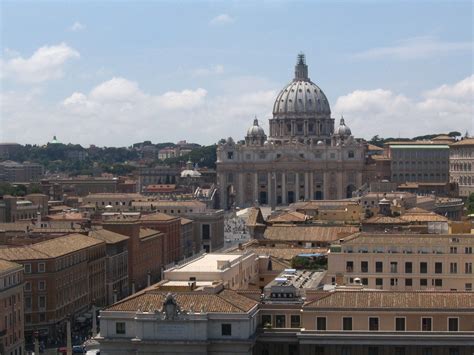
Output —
<point x="470" y="204"/>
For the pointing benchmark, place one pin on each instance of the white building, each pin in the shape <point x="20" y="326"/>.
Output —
<point x="215" y="321"/>
<point x="235" y="271"/>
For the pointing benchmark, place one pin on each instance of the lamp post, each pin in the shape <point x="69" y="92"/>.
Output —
<point x="68" y="336"/>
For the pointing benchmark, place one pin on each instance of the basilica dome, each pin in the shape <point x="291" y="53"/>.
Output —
<point x="301" y="96"/>
<point x="255" y="130"/>
<point x="342" y="129"/>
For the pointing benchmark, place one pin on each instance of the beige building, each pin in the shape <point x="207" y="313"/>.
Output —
<point x="304" y="157"/>
<point x="420" y="161"/>
<point x="403" y="261"/>
<point x="461" y="165"/>
<point x="12" y="340"/>
<point x="368" y="322"/>
<point x="111" y="201"/>
<point x="116" y="281"/>
<point x="62" y="277"/>
<point x="235" y="271"/>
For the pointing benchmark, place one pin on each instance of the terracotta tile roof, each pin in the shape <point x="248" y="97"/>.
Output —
<point x="70" y="216"/>
<point x="157" y="216"/>
<point x="384" y="220"/>
<point x="322" y="204"/>
<point x="51" y="248"/>
<point x="6" y="266"/>
<point x="365" y="299"/>
<point x="107" y="236"/>
<point x="308" y="233"/>
<point x="185" y="221"/>
<point x="407" y="240"/>
<point x="255" y="217"/>
<point x="148" y="232"/>
<point x="373" y="147"/>
<point x="417" y="214"/>
<point x="226" y="301"/>
<point x="291" y="216"/>
<point x="465" y="141"/>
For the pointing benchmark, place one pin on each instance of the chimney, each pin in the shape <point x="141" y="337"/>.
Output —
<point x="38" y="218"/>
<point x="115" y="297"/>
<point x="133" y="287"/>
<point x="148" y="279"/>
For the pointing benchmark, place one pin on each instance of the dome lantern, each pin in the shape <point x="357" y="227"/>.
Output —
<point x="301" y="69"/>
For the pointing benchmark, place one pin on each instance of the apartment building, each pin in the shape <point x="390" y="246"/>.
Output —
<point x="62" y="277"/>
<point x="370" y="322"/>
<point x="12" y="340"/>
<point x="403" y="261"/>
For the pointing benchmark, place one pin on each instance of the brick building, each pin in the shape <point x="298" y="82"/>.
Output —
<point x="145" y="251"/>
<point x="170" y="226"/>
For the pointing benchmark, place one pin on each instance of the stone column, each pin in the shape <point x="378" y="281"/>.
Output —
<point x="306" y="186"/>
<point x="341" y="189"/>
<point x="297" y="186"/>
<point x="326" y="185"/>
<point x="269" y="190"/>
<point x="255" y="188"/>
<point x="240" y="191"/>
<point x="283" y="188"/>
<point x="311" y="185"/>
<point x="94" y="321"/>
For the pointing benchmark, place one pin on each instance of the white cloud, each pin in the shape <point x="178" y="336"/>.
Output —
<point x="383" y="112"/>
<point x="222" y="19"/>
<point x="119" y="112"/>
<point x="77" y="26"/>
<point x="415" y="48"/>
<point x="46" y="63"/>
<point x="214" y="70"/>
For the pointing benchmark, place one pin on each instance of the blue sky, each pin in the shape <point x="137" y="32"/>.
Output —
<point x="115" y="73"/>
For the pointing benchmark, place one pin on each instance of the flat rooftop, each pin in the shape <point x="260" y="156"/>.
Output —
<point x="209" y="263"/>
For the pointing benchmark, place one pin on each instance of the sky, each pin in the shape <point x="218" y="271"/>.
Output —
<point x="112" y="73"/>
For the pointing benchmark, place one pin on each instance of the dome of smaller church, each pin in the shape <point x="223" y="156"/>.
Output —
<point x="342" y="130"/>
<point x="255" y="130"/>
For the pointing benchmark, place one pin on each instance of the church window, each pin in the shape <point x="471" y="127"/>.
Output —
<point x="248" y="156"/>
<point x="310" y="126"/>
<point x="351" y="154"/>
<point x="299" y="127"/>
<point x="230" y="155"/>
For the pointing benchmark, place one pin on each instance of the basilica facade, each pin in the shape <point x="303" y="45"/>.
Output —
<point x="304" y="156"/>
